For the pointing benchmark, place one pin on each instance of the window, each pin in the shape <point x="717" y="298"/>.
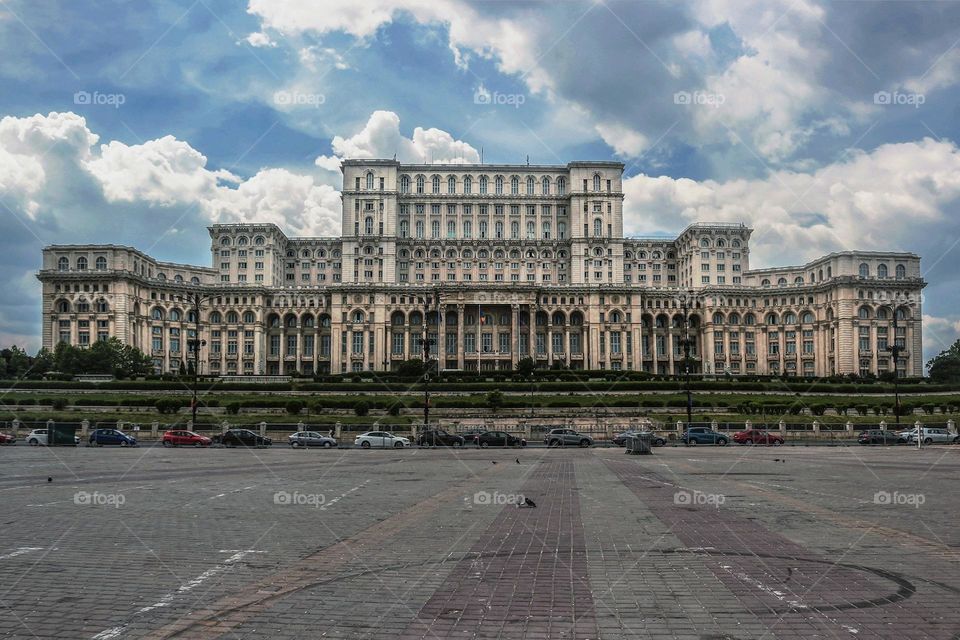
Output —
<point x="81" y="263"/>
<point x="467" y="185"/>
<point x="435" y="184"/>
<point x="597" y="228"/>
<point x="420" y="184"/>
<point x="404" y="184"/>
<point x="864" y="270"/>
<point x="101" y="264"/>
<point x="901" y="272"/>
<point x="451" y="185"/>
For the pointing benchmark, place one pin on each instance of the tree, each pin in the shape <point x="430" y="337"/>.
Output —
<point x="945" y="367"/>
<point x="494" y="400"/>
<point x="361" y="408"/>
<point x="409" y="368"/>
<point x="526" y="367"/>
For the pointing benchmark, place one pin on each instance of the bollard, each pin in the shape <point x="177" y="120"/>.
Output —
<point x="783" y="427"/>
<point x="747" y="425"/>
<point x="189" y="425"/>
<point x="336" y="430"/>
<point x="154" y="429"/>
<point x="883" y="425"/>
<point x="263" y="428"/>
<point x="951" y="426"/>
<point x="16" y="428"/>
<point x="849" y="427"/>
<point x="816" y="427"/>
<point x="301" y="426"/>
<point x="84" y="428"/>
<point x="679" y="426"/>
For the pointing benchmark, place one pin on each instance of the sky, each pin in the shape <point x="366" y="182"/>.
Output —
<point x="824" y="126"/>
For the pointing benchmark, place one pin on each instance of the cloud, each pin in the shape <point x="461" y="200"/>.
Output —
<point x="899" y="196"/>
<point x="939" y="333"/>
<point x="381" y="138"/>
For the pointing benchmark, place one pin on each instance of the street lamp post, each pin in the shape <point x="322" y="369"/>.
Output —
<point x="195" y="344"/>
<point x="895" y="350"/>
<point x="686" y="344"/>
<point x="427" y="342"/>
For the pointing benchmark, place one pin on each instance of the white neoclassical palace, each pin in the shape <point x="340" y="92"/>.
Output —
<point x="491" y="263"/>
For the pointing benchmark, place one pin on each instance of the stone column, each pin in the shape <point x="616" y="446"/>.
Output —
<point x="515" y="336"/>
<point x="460" y="345"/>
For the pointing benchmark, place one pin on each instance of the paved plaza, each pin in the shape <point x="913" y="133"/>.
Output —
<point x="699" y="543"/>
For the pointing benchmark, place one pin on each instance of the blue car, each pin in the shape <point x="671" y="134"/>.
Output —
<point x="101" y="437"/>
<point x="703" y="435"/>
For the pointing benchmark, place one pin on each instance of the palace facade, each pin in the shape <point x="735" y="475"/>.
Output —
<point x="490" y="264"/>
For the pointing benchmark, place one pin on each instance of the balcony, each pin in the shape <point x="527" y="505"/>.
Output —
<point x="158" y="353"/>
<point x="576" y="356"/>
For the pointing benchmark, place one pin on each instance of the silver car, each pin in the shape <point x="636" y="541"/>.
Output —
<point x="310" y="439"/>
<point x="932" y="435"/>
<point x="561" y="437"/>
<point x="380" y="439"/>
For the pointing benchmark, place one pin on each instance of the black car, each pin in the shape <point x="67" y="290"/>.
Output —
<point x="439" y="438"/>
<point x="499" y="439"/>
<point x="471" y="435"/>
<point x="242" y="438"/>
<point x="878" y="436"/>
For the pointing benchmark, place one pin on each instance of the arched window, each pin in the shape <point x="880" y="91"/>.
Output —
<point x="290" y="321"/>
<point x="397" y="319"/>
<point x="558" y="318"/>
<point x="901" y="272"/>
<point x="467" y="185"/>
<point x="467" y="229"/>
<point x="765" y="282"/>
<point x="178" y="278"/>
<point x="157" y="313"/>
<point x="225" y="241"/>
<point x="864" y="313"/>
<point x="215" y="317"/>
<point x="249" y="317"/>
<point x="233" y="317"/>
<point x="369" y="180"/>
<point x="498" y="185"/>
<point x="807" y="317"/>
<point x="404" y="228"/>
<point x="515" y="186"/>
<point x="101" y="263"/>
<point x="531" y="230"/>
<point x="368" y="226"/>
<point x="789" y="318"/>
<point x="102" y="306"/>
<point x="704" y="243"/>
<point x="483" y="185"/>
<point x="576" y="319"/>
<point x="883" y="314"/>
<point x="881" y="271"/>
<point x="435" y="184"/>
<point x="81" y="263"/>
<point x="419" y="229"/>
<point x="83" y="306"/>
<point x="902" y="313"/>
<point x="514" y="230"/>
<point x="242" y="241"/>
<point x="358" y="317"/>
<point x="404" y="184"/>
<point x="435" y="229"/>
<point x="307" y="321"/>
<point x="259" y="241"/>
<point x="63" y="306"/>
<point x="771" y="318"/>
<point x="531" y="185"/>
<point x="545" y="186"/>
<point x="325" y="321"/>
<point x="561" y="186"/>
<point x="749" y="319"/>
<point x="451" y="185"/>
<point x="175" y="315"/>
<point x="864" y="270"/>
<point x="273" y="321"/>
<point x="597" y="228"/>
<point x="416" y="318"/>
<point x="798" y="280"/>
<point x="718" y="318"/>
<point x="596" y="183"/>
<point x="420" y="184"/>
<point x="616" y="316"/>
<point x="733" y="318"/>
<point x="781" y="281"/>
<point x="63" y="264"/>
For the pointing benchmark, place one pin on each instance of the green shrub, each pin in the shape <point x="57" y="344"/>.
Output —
<point x="59" y="404"/>
<point x="294" y="407"/>
<point x="361" y="408"/>
<point x="395" y="408"/>
<point x="168" y="405"/>
<point x="233" y="408"/>
<point x="26" y="401"/>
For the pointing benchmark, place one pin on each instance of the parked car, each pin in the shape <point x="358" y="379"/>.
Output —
<point x="185" y="439"/>
<point x="932" y="435"/>
<point x="6" y="438"/>
<point x="310" y="439"/>
<point x="100" y="437"/>
<point x="757" y="436"/>
<point x="39" y="437"/>
<point x="435" y="437"/>
<point x="471" y="435"/>
<point x="704" y="435"/>
<point x="562" y="437"/>
<point x="621" y="438"/>
<point x="878" y="436"/>
<point x="242" y="437"/>
<point x="380" y="439"/>
<point x="499" y="439"/>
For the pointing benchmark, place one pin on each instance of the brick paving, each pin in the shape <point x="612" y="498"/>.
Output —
<point x="400" y="545"/>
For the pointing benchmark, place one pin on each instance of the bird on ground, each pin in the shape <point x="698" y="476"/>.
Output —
<point x="494" y="461"/>
<point x="518" y="460"/>
<point x="530" y="503"/>
<point x="49" y="479"/>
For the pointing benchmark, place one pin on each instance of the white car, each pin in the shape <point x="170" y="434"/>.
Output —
<point x="932" y="435"/>
<point x="380" y="439"/>
<point x="39" y="437"/>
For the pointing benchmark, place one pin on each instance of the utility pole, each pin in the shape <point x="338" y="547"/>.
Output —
<point x="426" y="361"/>
<point x="895" y="350"/>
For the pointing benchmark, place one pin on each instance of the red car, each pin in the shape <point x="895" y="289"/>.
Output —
<point x="6" y="438"/>
<point x="757" y="436"/>
<point x="185" y="438"/>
